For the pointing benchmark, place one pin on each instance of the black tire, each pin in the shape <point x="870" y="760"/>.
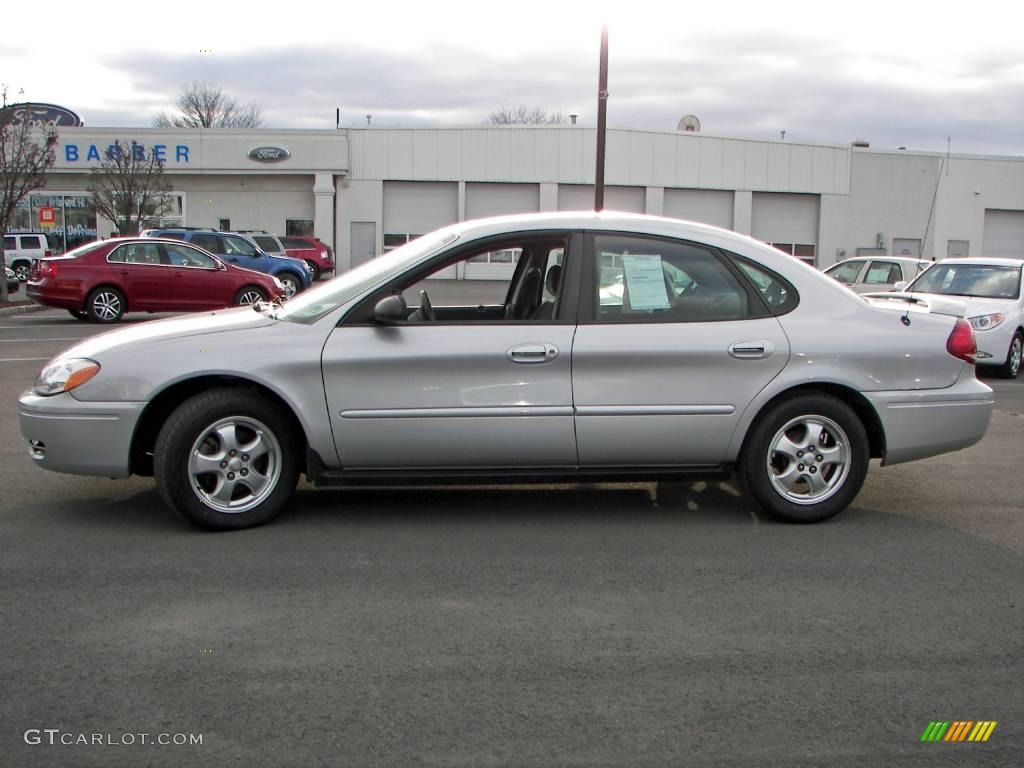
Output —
<point x="1011" y="366"/>
<point x="78" y="314"/>
<point x="292" y="283"/>
<point x="245" y="295"/>
<point x="315" y="268"/>
<point x="105" y="305"/>
<point x="796" y="496"/>
<point x="200" y="435"/>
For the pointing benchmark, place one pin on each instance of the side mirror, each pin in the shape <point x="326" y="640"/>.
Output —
<point x="390" y="310"/>
<point x="899" y="285"/>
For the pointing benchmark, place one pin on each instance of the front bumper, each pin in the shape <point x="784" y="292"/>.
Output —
<point x="922" y="423"/>
<point x="80" y="438"/>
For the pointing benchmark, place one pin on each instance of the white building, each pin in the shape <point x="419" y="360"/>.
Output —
<point x="366" y="190"/>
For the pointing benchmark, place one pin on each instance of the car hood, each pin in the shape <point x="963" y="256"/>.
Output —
<point x="196" y="324"/>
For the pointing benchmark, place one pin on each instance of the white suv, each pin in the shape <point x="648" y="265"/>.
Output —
<point x="22" y="248"/>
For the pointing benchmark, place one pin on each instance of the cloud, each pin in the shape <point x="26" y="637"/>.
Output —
<point x="752" y="84"/>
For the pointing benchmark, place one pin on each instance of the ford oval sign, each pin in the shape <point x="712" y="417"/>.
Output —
<point x="269" y="154"/>
<point x="38" y="114"/>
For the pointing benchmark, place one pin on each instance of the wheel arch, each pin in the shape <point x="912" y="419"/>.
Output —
<point x="854" y="399"/>
<point x="166" y="401"/>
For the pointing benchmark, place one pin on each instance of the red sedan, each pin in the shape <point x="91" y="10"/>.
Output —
<point x="311" y="251"/>
<point x="101" y="281"/>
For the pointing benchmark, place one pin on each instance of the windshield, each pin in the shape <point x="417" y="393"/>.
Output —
<point x="268" y="244"/>
<point x="312" y="304"/>
<point x="985" y="281"/>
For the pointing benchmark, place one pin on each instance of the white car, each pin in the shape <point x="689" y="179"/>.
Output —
<point x="876" y="273"/>
<point x="991" y="291"/>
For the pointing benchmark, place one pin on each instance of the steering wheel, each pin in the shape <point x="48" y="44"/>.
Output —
<point x="426" y="309"/>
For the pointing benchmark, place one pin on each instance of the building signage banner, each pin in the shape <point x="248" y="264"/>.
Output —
<point x="269" y="154"/>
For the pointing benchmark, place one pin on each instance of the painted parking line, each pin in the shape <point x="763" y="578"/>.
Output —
<point x="21" y="359"/>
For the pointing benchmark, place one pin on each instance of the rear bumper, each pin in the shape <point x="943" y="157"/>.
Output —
<point x="67" y="435"/>
<point x="923" y="423"/>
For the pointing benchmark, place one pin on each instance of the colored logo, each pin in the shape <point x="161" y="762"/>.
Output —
<point x="958" y="730"/>
<point x="38" y="114"/>
<point x="269" y="154"/>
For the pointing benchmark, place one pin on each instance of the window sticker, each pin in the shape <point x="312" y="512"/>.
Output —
<point x="646" y="282"/>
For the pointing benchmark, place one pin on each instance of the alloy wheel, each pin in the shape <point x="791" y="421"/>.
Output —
<point x="808" y="459"/>
<point x="234" y="464"/>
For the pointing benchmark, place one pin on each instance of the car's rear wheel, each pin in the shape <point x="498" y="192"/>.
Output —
<point x="316" y="269"/>
<point x="292" y="284"/>
<point x="21" y="270"/>
<point x="250" y="294"/>
<point x="105" y="305"/>
<point x="1011" y="367"/>
<point x="226" y="459"/>
<point x="78" y="314"/>
<point x="806" y="458"/>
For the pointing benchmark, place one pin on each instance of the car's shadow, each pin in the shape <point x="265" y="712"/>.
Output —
<point x="717" y="502"/>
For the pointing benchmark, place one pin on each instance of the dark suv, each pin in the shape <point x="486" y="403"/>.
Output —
<point x="294" y="274"/>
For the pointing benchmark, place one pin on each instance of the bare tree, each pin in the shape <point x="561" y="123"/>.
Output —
<point x="205" y="105"/>
<point x="523" y="115"/>
<point x="129" y="187"/>
<point x="26" y="156"/>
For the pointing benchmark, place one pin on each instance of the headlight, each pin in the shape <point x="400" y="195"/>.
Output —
<point x="987" y="322"/>
<point x="65" y="375"/>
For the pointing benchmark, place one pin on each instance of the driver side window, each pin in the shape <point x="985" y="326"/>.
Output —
<point x="511" y="280"/>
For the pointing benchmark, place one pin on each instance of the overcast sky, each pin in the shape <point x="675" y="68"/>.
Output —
<point x="893" y="73"/>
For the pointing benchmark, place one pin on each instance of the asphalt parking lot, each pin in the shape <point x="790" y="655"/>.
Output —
<point x="614" y="625"/>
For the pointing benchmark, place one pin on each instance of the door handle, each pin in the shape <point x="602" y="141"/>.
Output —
<point x="532" y="353"/>
<point x="756" y="349"/>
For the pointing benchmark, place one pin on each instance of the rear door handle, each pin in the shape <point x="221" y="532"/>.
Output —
<point x="756" y="349"/>
<point x="532" y="353"/>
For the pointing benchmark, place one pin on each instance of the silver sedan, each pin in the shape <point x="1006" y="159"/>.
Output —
<point x="526" y="348"/>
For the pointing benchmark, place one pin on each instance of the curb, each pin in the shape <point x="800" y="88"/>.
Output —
<point x="20" y="309"/>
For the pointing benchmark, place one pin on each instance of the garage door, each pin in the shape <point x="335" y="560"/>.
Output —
<point x="580" y="197"/>
<point x="1004" y="233"/>
<point x="789" y="222"/>
<point x="413" y="208"/>
<point x="707" y="206"/>
<point x="484" y="200"/>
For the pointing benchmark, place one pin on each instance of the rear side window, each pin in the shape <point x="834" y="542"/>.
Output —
<point x="883" y="272"/>
<point x="30" y="242"/>
<point x="9" y="244"/>
<point x="293" y="242"/>
<point x="775" y="291"/>
<point x="644" y="279"/>
<point x="136" y="253"/>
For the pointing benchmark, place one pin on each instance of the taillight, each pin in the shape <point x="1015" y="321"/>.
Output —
<point x="49" y="253"/>
<point x="326" y="255"/>
<point x="47" y="268"/>
<point x="960" y="343"/>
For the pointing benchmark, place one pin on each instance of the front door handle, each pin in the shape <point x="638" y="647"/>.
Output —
<point x="755" y="349"/>
<point x="532" y="353"/>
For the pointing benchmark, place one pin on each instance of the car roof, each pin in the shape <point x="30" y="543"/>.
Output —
<point x="991" y="261"/>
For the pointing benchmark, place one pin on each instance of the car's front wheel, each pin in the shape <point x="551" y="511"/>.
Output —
<point x="249" y="295"/>
<point x="291" y="283"/>
<point x="1011" y="367"/>
<point x="226" y="459"/>
<point x="806" y="458"/>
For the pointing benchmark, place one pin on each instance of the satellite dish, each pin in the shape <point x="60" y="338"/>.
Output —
<point x="689" y="123"/>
